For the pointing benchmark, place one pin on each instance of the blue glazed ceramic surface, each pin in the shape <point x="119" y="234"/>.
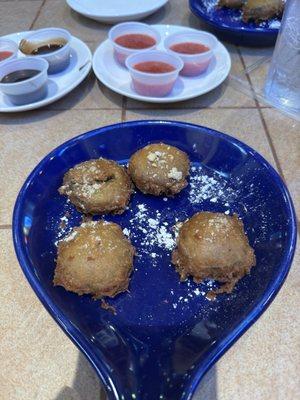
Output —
<point x="166" y="334"/>
<point x="228" y="25"/>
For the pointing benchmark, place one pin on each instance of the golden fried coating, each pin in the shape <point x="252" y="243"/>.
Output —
<point x="261" y="10"/>
<point x="97" y="187"/>
<point x="231" y="3"/>
<point x="95" y="258"/>
<point x="159" y="169"/>
<point x="214" y="246"/>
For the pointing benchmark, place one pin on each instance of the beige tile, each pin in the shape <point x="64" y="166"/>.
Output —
<point x="244" y="124"/>
<point x="90" y="94"/>
<point x="58" y="13"/>
<point x="264" y="364"/>
<point x="257" y="65"/>
<point x="175" y="12"/>
<point x="17" y="16"/>
<point x="30" y="136"/>
<point x="222" y="96"/>
<point x="37" y="360"/>
<point x="284" y="132"/>
<point x="251" y="55"/>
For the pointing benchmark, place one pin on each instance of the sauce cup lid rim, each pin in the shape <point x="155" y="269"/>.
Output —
<point x="154" y="31"/>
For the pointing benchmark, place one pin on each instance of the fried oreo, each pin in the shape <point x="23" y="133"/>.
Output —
<point x="97" y="187"/>
<point x="159" y="169"/>
<point x="261" y="10"/>
<point x="214" y="246"/>
<point x="95" y="258"/>
<point x="231" y="3"/>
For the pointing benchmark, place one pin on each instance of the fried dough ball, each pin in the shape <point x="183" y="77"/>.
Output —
<point x="214" y="246"/>
<point x="95" y="258"/>
<point x="231" y="3"/>
<point x="97" y="187"/>
<point x="261" y="10"/>
<point x="159" y="169"/>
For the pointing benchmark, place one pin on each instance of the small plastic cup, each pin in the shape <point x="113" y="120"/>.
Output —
<point x="29" y="90"/>
<point x="58" y="59"/>
<point x="120" y="52"/>
<point x="194" y="64"/>
<point x="8" y="46"/>
<point x="153" y="84"/>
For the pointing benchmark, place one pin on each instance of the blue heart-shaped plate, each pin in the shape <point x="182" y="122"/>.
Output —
<point x="229" y="26"/>
<point x="166" y="334"/>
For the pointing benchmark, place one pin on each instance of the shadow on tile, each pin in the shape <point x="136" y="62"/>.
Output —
<point x="159" y="16"/>
<point x="29" y="117"/>
<point x="207" y="100"/>
<point x="207" y="389"/>
<point x="86" y="385"/>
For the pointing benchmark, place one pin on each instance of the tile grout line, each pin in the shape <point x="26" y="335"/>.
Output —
<point x="263" y="121"/>
<point x="5" y="226"/>
<point x="149" y="108"/>
<point x="124" y="105"/>
<point x="37" y="15"/>
<point x="195" y="108"/>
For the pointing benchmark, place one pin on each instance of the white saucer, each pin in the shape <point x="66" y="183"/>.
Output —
<point x="117" y="78"/>
<point x="58" y="84"/>
<point x="113" y="11"/>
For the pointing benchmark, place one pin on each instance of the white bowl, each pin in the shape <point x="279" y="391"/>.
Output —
<point x="8" y="45"/>
<point x="29" y="90"/>
<point x="120" y="52"/>
<point x="194" y="64"/>
<point x="59" y="59"/>
<point x="153" y="84"/>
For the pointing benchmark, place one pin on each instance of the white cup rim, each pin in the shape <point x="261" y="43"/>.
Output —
<point x="149" y="74"/>
<point x="178" y="34"/>
<point x="55" y="52"/>
<point x="141" y="24"/>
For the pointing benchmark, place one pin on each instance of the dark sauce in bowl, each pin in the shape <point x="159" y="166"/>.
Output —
<point x="136" y="41"/>
<point x="19" y="76"/>
<point x="41" y="48"/>
<point x="47" y="48"/>
<point x="154" y="67"/>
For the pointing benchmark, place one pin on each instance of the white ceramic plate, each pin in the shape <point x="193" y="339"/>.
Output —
<point x="117" y="78"/>
<point x="113" y="11"/>
<point x="58" y="84"/>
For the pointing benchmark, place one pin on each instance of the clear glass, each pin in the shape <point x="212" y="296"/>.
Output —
<point x="282" y="86"/>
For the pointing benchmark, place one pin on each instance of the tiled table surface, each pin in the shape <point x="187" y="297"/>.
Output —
<point x="37" y="361"/>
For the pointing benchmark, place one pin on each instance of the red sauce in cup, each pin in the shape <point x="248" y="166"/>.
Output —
<point x="189" y="48"/>
<point x="5" y="54"/>
<point x="135" y="41"/>
<point x="154" y="67"/>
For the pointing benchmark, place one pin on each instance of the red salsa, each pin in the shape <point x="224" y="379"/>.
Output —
<point x="154" y="67"/>
<point x="135" y="41"/>
<point x="189" y="48"/>
<point x="5" y="54"/>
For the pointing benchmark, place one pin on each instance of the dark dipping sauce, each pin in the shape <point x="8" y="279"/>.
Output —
<point x="19" y="76"/>
<point x="5" y="54"/>
<point x="189" y="48"/>
<point x="47" y="48"/>
<point x="154" y="67"/>
<point x="135" y="41"/>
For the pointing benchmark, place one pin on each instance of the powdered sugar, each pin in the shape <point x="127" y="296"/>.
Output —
<point x="175" y="174"/>
<point x="70" y="237"/>
<point x="151" y="230"/>
<point x="209" y="187"/>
